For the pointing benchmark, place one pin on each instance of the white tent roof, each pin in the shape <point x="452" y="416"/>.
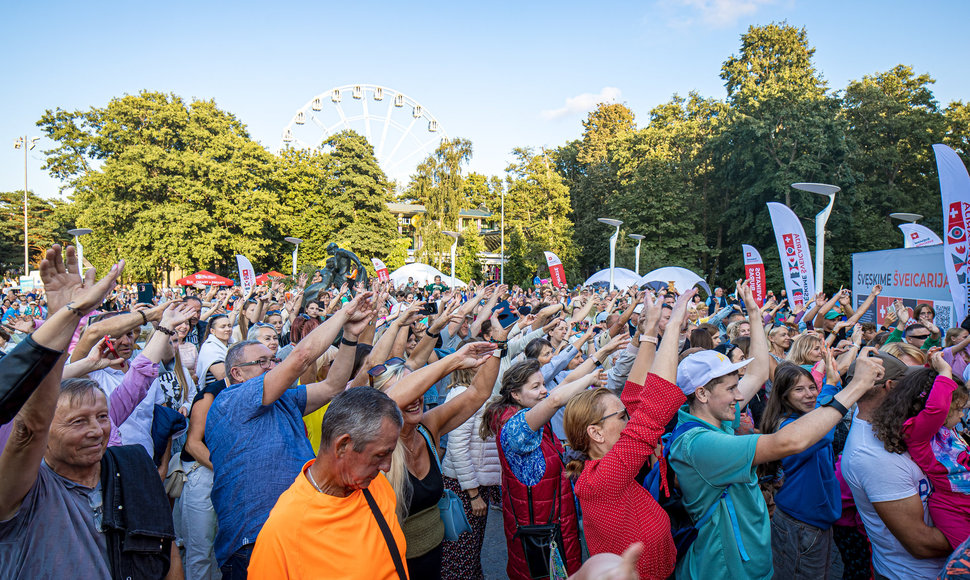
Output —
<point x="423" y="274"/>
<point x="682" y="278"/>
<point x="622" y="278"/>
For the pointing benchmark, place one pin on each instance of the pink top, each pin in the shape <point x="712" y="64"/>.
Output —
<point x="943" y="457"/>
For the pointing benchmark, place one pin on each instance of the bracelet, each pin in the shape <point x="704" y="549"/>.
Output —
<point x="432" y="334"/>
<point x="499" y="342"/>
<point x="598" y="363"/>
<point x="476" y="496"/>
<point x="648" y="338"/>
<point x="343" y="340"/>
<point x="164" y="330"/>
<point x="73" y="309"/>
<point x="144" y="320"/>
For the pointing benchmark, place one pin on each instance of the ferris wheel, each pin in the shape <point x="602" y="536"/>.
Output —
<point x="401" y="130"/>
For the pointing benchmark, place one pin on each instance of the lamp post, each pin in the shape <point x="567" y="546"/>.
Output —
<point x="26" y="144"/>
<point x="77" y="233"/>
<point x="296" y="242"/>
<point x="820" y="220"/>
<point x="613" y="238"/>
<point x="907" y="217"/>
<point x="454" y="246"/>
<point x="501" y="277"/>
<point x="639" y="239"/>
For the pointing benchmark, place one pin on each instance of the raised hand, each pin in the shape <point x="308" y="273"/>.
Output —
<point x="868" y="369"/>
<point x="99" y="358"/>
<point x="63" y="284"/>
<point x="175" y="314"/>
<point x="940" y="365"/>
<point x="359" y="308"/>
<point x="473" y="354"/>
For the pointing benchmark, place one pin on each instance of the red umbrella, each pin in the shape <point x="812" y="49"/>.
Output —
<point x="203" y="277"/>
<point x="264" y="278"/>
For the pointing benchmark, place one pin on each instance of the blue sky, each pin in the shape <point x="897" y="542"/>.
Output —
<point x="502" y="74"/>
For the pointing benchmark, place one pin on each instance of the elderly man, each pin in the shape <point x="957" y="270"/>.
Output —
<point x="68" y="505"/>
<point x="254" y="429"/>
<point x="339" y="513"/>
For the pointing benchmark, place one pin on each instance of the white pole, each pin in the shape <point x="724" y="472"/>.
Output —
<point x="636" y="268"/>
<point x="613" y="239"/>
<point x="453" y="247"/>
<point x="26" y="251"/>
<point x="820" y="220"/>
<point x="295" y="250"/>
<point x="80" y="255"/>
<point x="501" y="279"/>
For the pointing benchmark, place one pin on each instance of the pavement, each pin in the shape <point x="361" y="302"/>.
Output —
<point x="494" y="550"/>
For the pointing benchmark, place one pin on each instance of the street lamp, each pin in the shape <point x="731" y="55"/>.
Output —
<point x="25" y="144"/>
<point x="907" y="217"/>
<point x="77" y="233"/>
<point x="454" y="246"/>
<point x="501" y="276"/>
<point x="613" y="238"/>
<point x="820" y="219"/>
<point x="639" y="239"/>
<point x="296" y="242"/>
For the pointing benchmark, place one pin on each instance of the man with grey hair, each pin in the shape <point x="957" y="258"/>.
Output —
<point x="340" y="494"/>
<point x="255" y="426"/>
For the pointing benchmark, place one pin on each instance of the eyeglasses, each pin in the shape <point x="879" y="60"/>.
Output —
<point x="624" y="416"/>
<point x="381" y="369"/>
<point x="264" y="363"/>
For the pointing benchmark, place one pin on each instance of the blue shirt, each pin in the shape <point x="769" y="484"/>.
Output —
<point x="811" y="493"/>
<point x="256" y="452"/>
<point x="523" y="449"/>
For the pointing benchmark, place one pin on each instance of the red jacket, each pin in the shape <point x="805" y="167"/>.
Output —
<point x="618" y="511"/>
<point x="515" y="494"/>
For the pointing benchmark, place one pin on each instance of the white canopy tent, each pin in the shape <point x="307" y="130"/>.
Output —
<point x="623" y="278"/>
<point x="423" y="274"/>
<point x="682" y="278"/>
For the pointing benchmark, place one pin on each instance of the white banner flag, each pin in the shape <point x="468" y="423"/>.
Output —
<point x="754" y="272"/>
<point x="796" y="260"/>
<point x="955" y="191"/>
<point x="247" y="276"/>
<point x="917" y="236"/>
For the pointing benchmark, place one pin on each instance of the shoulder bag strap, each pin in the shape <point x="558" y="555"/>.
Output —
<point x="388" y="536"/>
<point x="434" y="449"/>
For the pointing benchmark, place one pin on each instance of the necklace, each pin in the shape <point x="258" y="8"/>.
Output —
<point x="312" y="481"/>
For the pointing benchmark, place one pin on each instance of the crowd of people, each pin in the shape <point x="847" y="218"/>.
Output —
<point x="370" y="432"/>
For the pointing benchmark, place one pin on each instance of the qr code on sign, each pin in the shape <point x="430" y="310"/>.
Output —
<point x="944" y="317"/>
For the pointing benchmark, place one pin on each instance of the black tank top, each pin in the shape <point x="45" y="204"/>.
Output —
<point x="426" y="492"/>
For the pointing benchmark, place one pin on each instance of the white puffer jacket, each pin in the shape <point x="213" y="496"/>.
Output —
<point x="470" y="459"/>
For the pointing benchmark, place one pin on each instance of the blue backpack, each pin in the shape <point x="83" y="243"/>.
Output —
<point x="658" y="481"/>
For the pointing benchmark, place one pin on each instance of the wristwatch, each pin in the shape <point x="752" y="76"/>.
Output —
<point x="830" y="401"/>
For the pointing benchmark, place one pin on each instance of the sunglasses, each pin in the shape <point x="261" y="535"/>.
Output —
<point x="382" y="368"/>
<point x="919" y="336"/>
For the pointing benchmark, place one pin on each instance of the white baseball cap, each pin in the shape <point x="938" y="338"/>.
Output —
<point x="703" y="367"/>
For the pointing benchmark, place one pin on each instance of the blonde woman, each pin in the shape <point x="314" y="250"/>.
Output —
<point x="415" y="474"/>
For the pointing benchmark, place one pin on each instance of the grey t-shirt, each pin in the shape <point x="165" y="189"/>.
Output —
<point x="55" y="532"/>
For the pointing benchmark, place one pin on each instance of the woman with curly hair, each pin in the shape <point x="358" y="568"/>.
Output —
<point x="918" y="416"/>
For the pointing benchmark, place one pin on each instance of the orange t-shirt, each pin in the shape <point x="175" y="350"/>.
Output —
<point x="314" y="535"/>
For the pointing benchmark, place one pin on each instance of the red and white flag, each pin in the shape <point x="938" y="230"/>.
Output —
<point x="754" y="272"/>
<point x="381" y="268"/>
<point x="917" y="236"/>
<point x="796" y="261"/>
<point x="556" y="270"/>
<point x="955" y="191"/>
<point x="247" y="275"/>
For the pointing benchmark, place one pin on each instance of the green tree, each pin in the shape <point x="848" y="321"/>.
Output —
<point x="47" y="224"/>
<point x="165" y="183"/>
<point x="468" y="262"/>
<point x="438" y="184"/>
<point x="592" y="180"/>
<point x="783" y="127"/>
<point x="538" y="208"/>
<point x="893" y="122"/>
